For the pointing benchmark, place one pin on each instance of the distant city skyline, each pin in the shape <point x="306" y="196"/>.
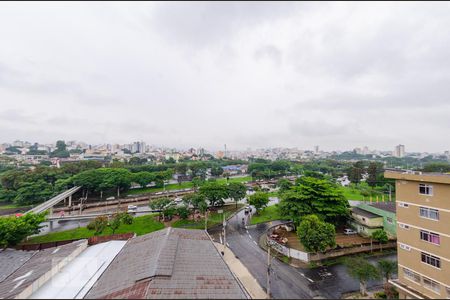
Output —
<point x="316" y="148"/>
<point x="262" y="75"/>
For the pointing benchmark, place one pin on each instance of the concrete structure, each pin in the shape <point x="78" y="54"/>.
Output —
<point x="369" y="217"/>
<point x="423" y="234"/>
<point x="55" y="200"/>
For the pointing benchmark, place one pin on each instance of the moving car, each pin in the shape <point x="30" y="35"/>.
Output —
<point x="132" y="208"/>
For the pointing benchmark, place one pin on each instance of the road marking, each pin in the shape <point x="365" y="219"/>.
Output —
<point x="220" y="239"/>
<point x="309" y="279"/>
<point x="302" y="274"/>
<point x="228" y="245"/>
<point x="255" y="243"/>
<point x="247" y="231"/>
<point x="250" y="236"/>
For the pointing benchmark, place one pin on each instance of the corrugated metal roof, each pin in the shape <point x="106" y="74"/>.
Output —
<point x="35" y="267"/>
<point x="386" y="206"/>
<point x="170" y="263"/>
<point x="77" y="278"/>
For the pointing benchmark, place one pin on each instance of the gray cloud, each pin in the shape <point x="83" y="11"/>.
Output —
<point x="251" y="74"/>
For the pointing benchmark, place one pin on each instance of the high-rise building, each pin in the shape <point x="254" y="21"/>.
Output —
<point x="423" y="234"/>
<point x="399" y="151"/>
<point x="316" y="149"/>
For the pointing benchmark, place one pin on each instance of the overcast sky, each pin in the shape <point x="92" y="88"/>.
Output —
<point x="338" y="75"/>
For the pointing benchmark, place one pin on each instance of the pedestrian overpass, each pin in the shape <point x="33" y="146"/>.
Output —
<point x="55" y="200"/>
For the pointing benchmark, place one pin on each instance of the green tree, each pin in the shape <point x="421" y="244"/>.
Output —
<point x="33" y="192"/>
<point x="259" y="200"/>
<point x="314" y="196"/>
<point x="60" y="151"/>
<point x="316" y="235"/>
<point x="215" y="192"/>
<point x="362" y="270"/>
<point x="216" y="170"/>
<point x="98" y="225"/>
<point x="114" y="222"/>
<point x="387" y="268"/>
<point x="284" y="184"/>
<point x="160" y="204"/>
<point x="194" y="199"/>
<point x="143" y="178"/>
<point x="380" y="236"/>
<point x="372" y="170"/>
<point x="183" y="212"/>
<point x="356" y="171"/>
<point x="14" y="230"/>
<point x="236" y="191"/>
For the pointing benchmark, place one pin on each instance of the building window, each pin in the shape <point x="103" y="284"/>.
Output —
<point x="431" y="285"/>
<point x="389" y="220"/>
<point x="431" y="260"/>
<point x="426" y="189"/>
<point x="413" y="276"/>
<point x="430" y="237"/>
<point x="404" y="226"/>
<point x="429" y="213"/>
<point x="401" y="204"/>
<point x="405" y="247"/>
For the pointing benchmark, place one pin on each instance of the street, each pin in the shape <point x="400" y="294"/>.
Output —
<point x="286" y="281"/>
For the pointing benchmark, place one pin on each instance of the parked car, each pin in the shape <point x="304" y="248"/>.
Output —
<point x="110" y="198"/>
<point x="349" y="231"/>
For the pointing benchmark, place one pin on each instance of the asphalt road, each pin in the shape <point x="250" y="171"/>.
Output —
<point x="286" y="281"/>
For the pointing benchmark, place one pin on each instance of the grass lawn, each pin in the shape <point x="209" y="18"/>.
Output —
<point x="7" y="206"/>
<point x="183" y="185"/>
<point x="141" y="225"/>
<point x="352" y="194"/>
<point x="214" y="218"/>
<point x="270" y="213"/>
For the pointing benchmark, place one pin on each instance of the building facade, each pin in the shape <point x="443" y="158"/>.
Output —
<point x="369" y="217"/>
<point x="423" y="234"/>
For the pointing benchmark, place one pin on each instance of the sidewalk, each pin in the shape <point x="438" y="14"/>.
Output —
<point x="241" y="272"/>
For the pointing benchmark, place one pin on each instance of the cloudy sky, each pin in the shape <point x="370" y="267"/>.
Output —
<point x="338" y="75"/>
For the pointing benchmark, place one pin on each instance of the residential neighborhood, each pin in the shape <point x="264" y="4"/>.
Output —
<point x="224" y="150"/>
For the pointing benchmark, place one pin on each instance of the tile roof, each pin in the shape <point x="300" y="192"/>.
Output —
<point x="386" y="206"/>
<point x="35" y="267"/>
<point x="11" y="260"/>
<point x="170" y="263"/>
<point x="364" y="213"/>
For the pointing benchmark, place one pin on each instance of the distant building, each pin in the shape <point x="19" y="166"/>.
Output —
<point x="399" y="151"/>
<point x="316" y="149"/>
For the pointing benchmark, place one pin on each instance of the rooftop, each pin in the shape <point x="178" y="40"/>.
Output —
<point x="30" y="274"/>
<point x="386" y="206"/>
<point x="11" y="260"/>
<point x="169" y="263"/>
<point x="364" y="213"/>
<point x="419" y="176"/>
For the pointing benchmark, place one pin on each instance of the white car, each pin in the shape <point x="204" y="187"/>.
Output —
<point x="349" y="231"/>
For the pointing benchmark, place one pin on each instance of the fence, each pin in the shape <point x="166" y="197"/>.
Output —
<point x="289" y="252"/>
<point x="339" y="251"/>
<point x="91" y="241"/>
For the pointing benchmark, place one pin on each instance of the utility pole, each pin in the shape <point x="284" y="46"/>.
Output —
<point x="269" y="260"/>
<point x="224" y="234"/>
<point x="390" y="194"/>
<point x="206" y="219"/>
